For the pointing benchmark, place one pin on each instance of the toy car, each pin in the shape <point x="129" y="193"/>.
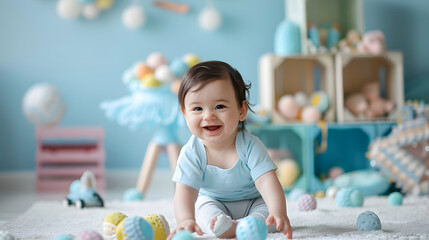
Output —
<point x="82" y="192"/>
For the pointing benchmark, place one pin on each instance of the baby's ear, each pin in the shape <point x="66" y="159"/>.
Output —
<point x="243" y="110"/>
<point x="182" y="109"/>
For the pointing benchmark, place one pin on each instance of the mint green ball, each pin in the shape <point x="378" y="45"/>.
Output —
<point x="395" y="199"/>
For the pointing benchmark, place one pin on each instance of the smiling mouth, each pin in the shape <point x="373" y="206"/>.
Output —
<point x="212" y="128"/>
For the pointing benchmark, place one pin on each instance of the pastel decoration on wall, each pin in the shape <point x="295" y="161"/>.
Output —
<point x="287" y="39"/>
<point x="89" y="9"/>
<point x="43" y="105"/>
<point x="210" y="19"/>
<point x="133" y="17"/>
<point x="172" y="6"/>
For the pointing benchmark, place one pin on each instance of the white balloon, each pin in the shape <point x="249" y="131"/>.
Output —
<point x="90" y="11"/>
<point x="210" y="19"/>
<point x="69" y="9"/>
<point x="164" y="74"/>
<point x="133" y="17"/>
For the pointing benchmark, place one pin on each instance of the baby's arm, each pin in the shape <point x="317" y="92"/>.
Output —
<point x="184" y="209"/>
<point x="272" y="193"/>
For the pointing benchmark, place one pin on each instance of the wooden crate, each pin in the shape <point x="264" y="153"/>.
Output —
<point x="353" y="71"/>
<point x="288" y="75"/>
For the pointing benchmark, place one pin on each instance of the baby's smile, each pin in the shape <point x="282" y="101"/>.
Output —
<point x="212" y="128"/>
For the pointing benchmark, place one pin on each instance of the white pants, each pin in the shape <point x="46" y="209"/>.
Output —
<point x="207" y="208"/>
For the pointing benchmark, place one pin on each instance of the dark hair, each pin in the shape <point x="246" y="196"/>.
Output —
<point x="204" y="73"/>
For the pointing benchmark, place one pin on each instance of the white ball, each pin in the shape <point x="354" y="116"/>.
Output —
<point x="90" y="11"/>
<point x="311" y="114"/>
<point x="300" y="99"/>
<point x="210" y="19"/>
<point x="164" y="74"/>
<point x="133" y="17"/>
<point x="69" y="9"/>
<point x="43" y="105"/>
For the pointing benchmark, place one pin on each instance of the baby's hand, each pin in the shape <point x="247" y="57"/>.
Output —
<point x="189" y="225"/>
<point x="281" y="221"/>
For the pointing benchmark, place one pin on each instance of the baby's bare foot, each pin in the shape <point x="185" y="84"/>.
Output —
<point x="213" y="222"/>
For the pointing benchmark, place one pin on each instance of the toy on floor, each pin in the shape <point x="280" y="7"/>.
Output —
<point x="5" y="235"/>
<point x="349" y="197"/>
<point x="306" y="203"/>
<point x="88" y="235"/>
<point x="183" y="235"/>
<point x="82" y="192"/>
<point x="132" y="195"/>
<point x="160" y="226"/>
<point x="368" y="221"/>
<point x="136" y="228"/>
<point x="251" y="228"/>
<point x="110" y="224"/>
<point x="295" y="194"/>
<point x="63" y="237"/>
<point x="395" y="199"/>
<point x="152" y="103"/>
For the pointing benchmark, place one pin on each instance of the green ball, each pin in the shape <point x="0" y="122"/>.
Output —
<point x="395" y="199"/>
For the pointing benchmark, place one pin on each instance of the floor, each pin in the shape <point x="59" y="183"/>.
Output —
<point x="17" y="189"/>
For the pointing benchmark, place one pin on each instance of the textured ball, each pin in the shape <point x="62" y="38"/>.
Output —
<point x="395" y="199"/>
<point x="89" y="235"/>
<point x="136" y="228"/>
<point x="133" y="17"/>
<point x="183" y="235"/>
<point x="320" y="100"/>
<point x="349" y="197"/>
<point x="311" y="114"/>
<point x="287" y="172"/>
<point x="178" y="67"/>
<point x="191" y="59"/>
<point x="331" y="192"/>
<point x="368" y="221"/>
<point x="295" y="194"/>
<point x="5" y="235"/>
<point x="110" y="224"/>
<point x="43" y="105"/>
<point x="120" y="232"/>
<point x="132" y="195"/>
<point x="210" y="19"/>
<point x="164" y="74"/>
<point x="156" y="59"/>
<point x="287" y="107"/>
<point x="159" y="224"/>
<point x="251" y="228"/>
<point x="69" y="9"/>
<point x="60" y="237"/>
<point x="306" y="203"/>
<point x="142" y="69"/>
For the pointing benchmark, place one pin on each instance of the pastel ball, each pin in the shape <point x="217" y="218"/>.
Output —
<point x="306" y="203"/>
<point x="132" y="195"/>
<point x="368" y="221"/>
<point x="295" y="194"/>
<point x="300" y="99"/>
<point x="210" y="19"/>
<point x="251" y="228"/>
<point x="335" y="172"/>
<point x="178" y="67"/>
<point x="311" y="114"/>
<point x="150" y="81"/>
<point x="160" y="226"/>
<point x="90" y="11"/>
<point x="331" y="192"/>
<point x="62" y="237"/>
<point x="395" y="199"/>
<point x="142" y="69"/>
<point x="287" y="107"/>
<point x="156" y="59"/>
<point x="111" y="223"/>
<point x="191" y="59"/>
<point x="69" y="9"/>
<point x="133" y="17"/>
<point x="104" y="4"/>
<point x="288" y="171"/>
<point x="183" y="235"/>
<point x="5" y="235"/>
<point x="320" y="100"/>
<point x="136" y="228"/>
<point x="349" y="197"/>
<point x="164" y="74"/>
<point x="89" y="235"/>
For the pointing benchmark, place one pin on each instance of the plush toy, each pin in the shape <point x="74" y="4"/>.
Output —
<point x="372" y="42"/>
<point x="350" y="43"/>
<point x="377" y="107"/>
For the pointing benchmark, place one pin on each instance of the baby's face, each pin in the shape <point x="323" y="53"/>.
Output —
<point x="212" y="113"/>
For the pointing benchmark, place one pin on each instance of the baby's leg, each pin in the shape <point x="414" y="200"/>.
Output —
<point x="211" y="216"/>
<point x="260" y="210"/>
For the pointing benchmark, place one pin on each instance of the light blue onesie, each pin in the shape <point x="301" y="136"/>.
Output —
<point x="230" y="191"/>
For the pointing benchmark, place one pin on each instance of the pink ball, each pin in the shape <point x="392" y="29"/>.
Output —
<point x="335" y="172"/>
<point x="89" y="235"/>
<point x="155" y="60"/>
<point x="306" y="203"/>
<point x="311" y="114"/>
<point x="287" y="107"/>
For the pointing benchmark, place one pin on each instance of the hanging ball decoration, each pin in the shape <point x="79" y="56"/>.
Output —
<point x="133" y="17"/>
<point x="90" y="11"/>
<point x="69" y="9"/>
<point x="164" y="74"/>
<point x="191" y="59"/>
<point x="210" y="19"/>
<point x="178" y="67"/>
<point x="104" y="4"/>
<point x="156" y="59"/>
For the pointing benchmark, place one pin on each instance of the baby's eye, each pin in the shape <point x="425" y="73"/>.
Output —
<point x="197" y="109"/>
<point x="220" y="106"/>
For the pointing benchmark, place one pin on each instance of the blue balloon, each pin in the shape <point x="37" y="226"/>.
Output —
<point x="178" y="67"/>
<point x="287" y="39"/>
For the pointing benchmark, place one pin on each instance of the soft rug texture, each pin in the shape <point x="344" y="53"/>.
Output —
<point x="45" y="220"/>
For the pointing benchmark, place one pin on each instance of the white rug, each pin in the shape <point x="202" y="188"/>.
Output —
<point x="45" y="220"/>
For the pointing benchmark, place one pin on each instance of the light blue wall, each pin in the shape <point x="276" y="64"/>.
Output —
<point x="85" y="59"/>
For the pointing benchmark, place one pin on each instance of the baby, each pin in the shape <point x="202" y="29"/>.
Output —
<point x="223" y="173"/>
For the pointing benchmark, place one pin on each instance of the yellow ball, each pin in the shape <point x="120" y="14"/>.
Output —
<point x="120" y="231"/>
<point x="191" y="59"/>
<point x="287" y="172"/>
<point x="160" y="226"/>
<point x="104" y="4"/>
<point x="111" y="223"/>
<point x="150" y="81"/>
<point x="142" y="70"/>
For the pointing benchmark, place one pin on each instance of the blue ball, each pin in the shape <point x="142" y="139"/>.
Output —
<point x="63" y="237"/>
<point x="183" y="235"/>
<point x="132" y="195"/>
<point x="178" y="67"/>
<point x="137" y="228"/>
<point x="395" y="199"/>
<point x="349" y="197"/>
<point x="368" y="221"/>
<point x="251" y="228"/>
